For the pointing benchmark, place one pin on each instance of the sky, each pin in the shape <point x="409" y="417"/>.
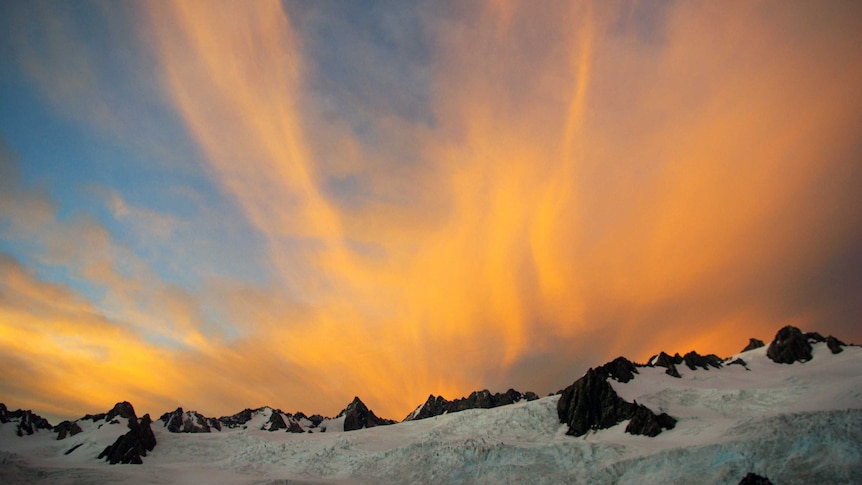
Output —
<point x="220" y="205"/>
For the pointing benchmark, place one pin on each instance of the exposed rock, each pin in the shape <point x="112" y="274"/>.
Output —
<point x="358" y="416"/>
<point x="438" y="405"/>
<point x="122" y="409"/>
<point x="790" y="345"/>
<point x="739" y="361"/>
<point x="27" y="421"/>
<point x="237" y="419"/>
<point x="187" y="422"/>
<point x="132" y="446"/>
<point x="294" y="427"/>
<point x="693" y="360"/>
<point x="67" y="428"/>
<point x="316" y="419"/>
<point x="645" y="422"/>
<point x="668" y="362"/>
<point x="753" y="343"/>
<point x="275" y="422"/>
<point x="591" y="403"/>
<point x="754" y="479"/>
<point x="620" y="369"/>
<point x="835" y="345"/>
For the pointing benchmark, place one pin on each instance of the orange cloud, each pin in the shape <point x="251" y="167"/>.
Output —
<point x="595" y="181"/>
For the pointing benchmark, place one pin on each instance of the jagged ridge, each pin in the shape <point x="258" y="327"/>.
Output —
<point x="438" y="405"/>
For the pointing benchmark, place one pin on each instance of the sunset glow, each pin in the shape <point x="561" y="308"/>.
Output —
<point x="220" y="205"/>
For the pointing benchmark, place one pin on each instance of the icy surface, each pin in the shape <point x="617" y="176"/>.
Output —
<point x="793" y="423"/>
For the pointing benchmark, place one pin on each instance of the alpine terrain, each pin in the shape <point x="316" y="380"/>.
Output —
<point x="788" y="411"/>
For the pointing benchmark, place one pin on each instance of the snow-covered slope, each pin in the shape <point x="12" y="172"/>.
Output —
<point x="797" y="423"/>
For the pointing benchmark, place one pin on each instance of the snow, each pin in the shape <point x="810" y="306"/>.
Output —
<point x="794" y="423"/>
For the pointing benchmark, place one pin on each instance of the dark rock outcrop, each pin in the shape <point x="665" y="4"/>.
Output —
<point x="294" y="427"/>
<point x="645" y="422"/>
<point x="67" y="428"/>
<point x="668" y="362"/>
<point x="438" y="405"/>
<point x="27" y="421"/>
<point x="591" y="403"/>
<point x="835" y="345"/>
<point x="358" y="416"/>
<point x="275" y="422"/>
<point x="620" y="369"/>
<point x="179" y="421"/>
<point x="693" y="361"/>
<point x="316" y="419"/>
<point x="121" y="409"/>
<point x="237" y="419"/>
<point x="754" y="479"/>
<point x="790" y="345"/>
<point x="739" y="361"/>
<point x="132" y="446"/>
<point x="753" y="343"/>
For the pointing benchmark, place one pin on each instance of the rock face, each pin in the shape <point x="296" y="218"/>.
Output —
<point x="27" y="422"/>
<point x="237" y="419"/>
<point x="693" y="361"/>
<point x="438" y="405"/>
<point x="275" y="421"/>
<point x="66" y="429"/>
<point x="668" y="362"/>
<point x="358" y="416"/>
<point x="591" y="403"/>
<point x="754" y="479"/>
<point x="835" y="345"/>
<point x="132" y="446"/>
<point x="753" y="343"/>
<point x="790" y="345"/>
<point x="621" y="369"/>
<point x="188" y="422"/>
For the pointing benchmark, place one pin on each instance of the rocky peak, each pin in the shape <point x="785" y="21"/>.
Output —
<point x="122" y="409"/>
<point x="591" y="403"/>
<point x="668" y="362"/>
<point x="67" y="428"/>
<point x="620" y="369"/>
<point x="693" y="361"/>
<point x="358" y="416"/>
<point x="179" y="421"/>
<point x="753" y="343"/>
<point x="789" y="345"/>
<point x="438" y="405"/>
<point x="27" y="421"/>
<point x="132" y="446"/>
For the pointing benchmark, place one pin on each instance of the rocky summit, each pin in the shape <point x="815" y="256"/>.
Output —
<point x="591" y="403"/>
<point x="438" y="405"/>
<point x="132" y="446"/>
<point x="358" y="416"/>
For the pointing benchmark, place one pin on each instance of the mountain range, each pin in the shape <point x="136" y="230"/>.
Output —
<point x="784" y="412"/>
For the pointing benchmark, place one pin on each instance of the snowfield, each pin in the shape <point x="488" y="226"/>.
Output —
<point x="799" y="423"/>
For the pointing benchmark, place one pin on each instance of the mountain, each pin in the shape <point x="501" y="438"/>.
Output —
<point x="786" y="411"/>
<point x="26" y="423"/>
<point x="438" y="405"/>
<point x="357" y="416"/>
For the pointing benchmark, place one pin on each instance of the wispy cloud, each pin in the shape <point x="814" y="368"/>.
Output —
<point x="544" y="188"/>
